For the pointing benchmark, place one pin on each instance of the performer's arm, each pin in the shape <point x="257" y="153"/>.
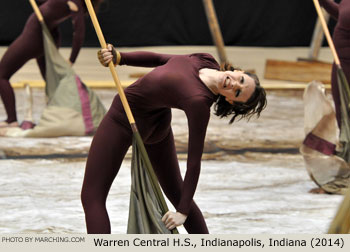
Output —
<point x="78" y="22"/>
<point x="140" y="58"/>
<point x="144" y="59"/>
<point x="331" y="7"/>
<point x="198" y="113"/>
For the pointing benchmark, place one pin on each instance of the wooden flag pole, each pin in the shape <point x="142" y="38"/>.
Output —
<point x="36" y="10"/>
<point x="326" y="32"/>
<point x="110" y="65"/>
<point x="215" y="29"/>
<point x="317" y="39"/>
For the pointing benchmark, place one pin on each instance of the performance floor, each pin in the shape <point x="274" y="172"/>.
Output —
<point x="253" y="178"/>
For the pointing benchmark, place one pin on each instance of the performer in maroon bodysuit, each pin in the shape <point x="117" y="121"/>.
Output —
<point x="191" y="83"/>
<point x="29" y="45"/>
<point x="341" y="38"/>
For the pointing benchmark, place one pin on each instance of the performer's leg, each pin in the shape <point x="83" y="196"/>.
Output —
<point x="106" y="154"/>
<point x="336" y="95"/>
<point x="165" y="164"/>
<point x="18" y="53"/>
<point x="9" y="64"/>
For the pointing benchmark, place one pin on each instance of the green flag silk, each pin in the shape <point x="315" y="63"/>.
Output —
<point x="64" y="89"/>
<point x="341" y="222"/>
<point x="147" y="204"/>
<point x="344" y="137"/>
<point x="145" y="212"/>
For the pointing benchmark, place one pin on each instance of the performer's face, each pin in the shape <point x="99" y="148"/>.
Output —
<point x="236" y="86"/>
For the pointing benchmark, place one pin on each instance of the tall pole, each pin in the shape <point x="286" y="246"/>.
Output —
<point x="317" y="39"/>
<point x="215" y="29"/>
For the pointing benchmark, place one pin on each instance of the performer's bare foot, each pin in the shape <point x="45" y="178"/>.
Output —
<point x="5" y="124"/>
<point x="317" y="190"/>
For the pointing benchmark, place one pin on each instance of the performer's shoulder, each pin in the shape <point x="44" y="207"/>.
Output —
<point x="207" y="59"/>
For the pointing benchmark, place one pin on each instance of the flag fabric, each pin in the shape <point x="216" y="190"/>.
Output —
<point x="72" y="108"/>
<point x="341" y="221"/>
<point x="344" y="137"/>
<point x="329" y="171"/>
<point x="145" y="209"/>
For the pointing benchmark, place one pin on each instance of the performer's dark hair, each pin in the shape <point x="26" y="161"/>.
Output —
<point x="255" y="104"/>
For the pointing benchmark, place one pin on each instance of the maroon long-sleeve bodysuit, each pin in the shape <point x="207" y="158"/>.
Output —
<point x="174" y="83"/>
<point x="29" y="45"/>
<point x="341" y="38"/>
